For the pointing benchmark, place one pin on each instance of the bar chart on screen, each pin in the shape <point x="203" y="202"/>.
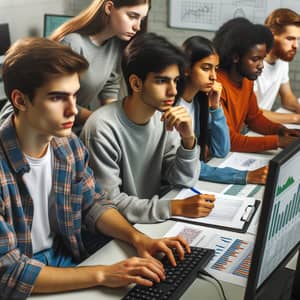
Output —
<point x="284" y="218"/>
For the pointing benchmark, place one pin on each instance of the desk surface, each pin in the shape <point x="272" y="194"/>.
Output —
<point x="117" y="250"/>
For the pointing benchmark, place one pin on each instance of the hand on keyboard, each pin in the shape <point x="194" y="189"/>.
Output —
<point x="178" y="278"/>
<point x="148" y="247"/>
<point x="137" y="270"/>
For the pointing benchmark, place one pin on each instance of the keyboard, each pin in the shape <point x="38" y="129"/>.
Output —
<point x="178" y="278"/>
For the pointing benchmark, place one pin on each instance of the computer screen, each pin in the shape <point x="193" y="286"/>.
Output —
<point x="53" y="21"/>
<point x="278" y="234"/>
<point x="4" y="38"/>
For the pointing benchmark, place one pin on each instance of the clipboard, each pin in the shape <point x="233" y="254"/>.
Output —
<point x="245" y="216"/>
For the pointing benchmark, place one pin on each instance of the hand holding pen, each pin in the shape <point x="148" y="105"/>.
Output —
<point x="196" y="206"/>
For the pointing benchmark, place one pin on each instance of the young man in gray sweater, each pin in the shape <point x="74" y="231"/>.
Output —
<point x="143" y="145"/>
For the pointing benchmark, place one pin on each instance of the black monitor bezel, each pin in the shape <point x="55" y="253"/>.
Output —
<point x="252" y="292"/>
<point x="7" y="40"/>
<point x="52" y="15"/>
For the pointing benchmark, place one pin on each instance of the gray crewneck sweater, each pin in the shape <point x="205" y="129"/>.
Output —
<point x="134" y="163"/>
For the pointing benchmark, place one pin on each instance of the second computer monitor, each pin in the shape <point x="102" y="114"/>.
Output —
<point x="53" y="21"/>
<point x="278" y="234"/>
<point x="4" y="38"/>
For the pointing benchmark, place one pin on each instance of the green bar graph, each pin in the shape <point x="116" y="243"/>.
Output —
<point x="280" y="220"/>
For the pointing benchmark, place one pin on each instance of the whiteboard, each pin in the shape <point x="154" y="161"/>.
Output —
<point x="211" y="14"/>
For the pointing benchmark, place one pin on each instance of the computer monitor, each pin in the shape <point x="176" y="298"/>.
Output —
<point x="53" y="21"/>
<point x="278" y="234"/>
<point x="4" y="38"/>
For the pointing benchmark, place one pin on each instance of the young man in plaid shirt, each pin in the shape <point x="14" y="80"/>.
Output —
<point x="48" y="195"/>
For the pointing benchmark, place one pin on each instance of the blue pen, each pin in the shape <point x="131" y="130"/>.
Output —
<point x="196" y="191"/>
<point x="199" y="193"/>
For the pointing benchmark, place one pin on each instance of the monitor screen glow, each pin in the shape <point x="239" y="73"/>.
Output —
<point x="278" y="234"/>
<point x="53" y="21"/>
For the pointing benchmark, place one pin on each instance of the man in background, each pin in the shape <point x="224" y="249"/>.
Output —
<point x="285" y="27"/>
<point x="241" y="62"/>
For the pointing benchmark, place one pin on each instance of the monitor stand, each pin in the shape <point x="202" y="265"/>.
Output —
<point x="296" y="286"/>
<point x="279" y="286"/>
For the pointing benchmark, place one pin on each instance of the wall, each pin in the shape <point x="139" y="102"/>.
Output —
<point x="157" y="22"/>
<point x="25" y="17"/>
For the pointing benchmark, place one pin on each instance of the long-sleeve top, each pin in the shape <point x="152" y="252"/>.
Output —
<point x="240" y="106"/>
<point x="101" y="81"/>
<point x="135" y="163"/>
<point x="219" y="140"/>
<point x="78" y="202"/>
<point x="219" y="146"/>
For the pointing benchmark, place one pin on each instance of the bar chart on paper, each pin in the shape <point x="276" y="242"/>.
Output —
<point x="233" y="251"/>
<point x="232" y="256"/>
<point x="242" y="161"/>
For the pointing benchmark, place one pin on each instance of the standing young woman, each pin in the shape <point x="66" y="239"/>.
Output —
<point x="98" y="33"/>
<point x="200" y="94"/>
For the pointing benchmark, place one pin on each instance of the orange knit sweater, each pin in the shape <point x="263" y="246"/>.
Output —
<point x="240" y="106"/>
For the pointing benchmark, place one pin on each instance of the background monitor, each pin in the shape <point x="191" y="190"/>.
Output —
<point x="4" y="38"/>
<point x="53" y="21"/>
<point x="278" y="234"/>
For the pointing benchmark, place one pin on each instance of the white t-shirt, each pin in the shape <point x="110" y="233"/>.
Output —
<point x="39" y="184"/>
<point x="267" y="85"/>
<point x="190" y="108"/>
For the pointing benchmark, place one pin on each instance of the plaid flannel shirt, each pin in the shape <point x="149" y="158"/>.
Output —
<point x="78" y="202"/>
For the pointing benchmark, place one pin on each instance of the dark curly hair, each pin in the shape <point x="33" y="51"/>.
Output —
<point x="237" y="36"/>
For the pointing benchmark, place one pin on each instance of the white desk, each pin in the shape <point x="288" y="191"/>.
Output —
<point x="286" y="111"/>
<point x="115" y="251"/>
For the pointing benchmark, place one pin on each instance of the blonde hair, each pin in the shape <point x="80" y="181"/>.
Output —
<point x="92" y="20"/>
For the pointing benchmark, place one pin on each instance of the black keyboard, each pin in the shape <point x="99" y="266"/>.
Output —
<point x="178" y="278"/>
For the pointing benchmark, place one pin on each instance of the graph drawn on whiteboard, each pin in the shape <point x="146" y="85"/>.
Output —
<point x="211" y="14"/>
<point x="193" y="12"/>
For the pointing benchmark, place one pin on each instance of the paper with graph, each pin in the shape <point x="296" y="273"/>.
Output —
<point x="231" y="262"/>
<point x="245" y="161"/>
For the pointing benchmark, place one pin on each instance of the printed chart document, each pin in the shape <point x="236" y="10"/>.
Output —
<point x="230" y="212"/>
<point x="247" y="190"/>
<point x="233" y="251"/>
<point x="244" y="161"/>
